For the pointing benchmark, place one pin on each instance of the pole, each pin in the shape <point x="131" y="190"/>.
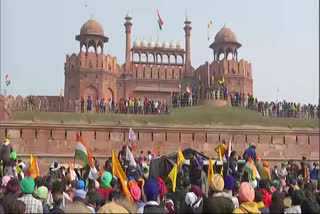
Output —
<point x="1" y="44"/>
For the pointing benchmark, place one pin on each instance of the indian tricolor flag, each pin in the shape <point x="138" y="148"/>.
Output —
<point x="251" y="169"/>
<point x="160" y="22"/>
<point x="82" y="153"/>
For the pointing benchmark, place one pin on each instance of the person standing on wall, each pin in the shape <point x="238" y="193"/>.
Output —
<point x="5" y="150"/>
<point x="82" y="104"/>
<point x="89" y="104"/>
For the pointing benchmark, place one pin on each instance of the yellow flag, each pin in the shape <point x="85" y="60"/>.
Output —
<point x="222" y="148"/>
<point x="180" y="157"/>
<point x="210" y="170"/>
<point x="212" y="79"/>
<point x="219" y="154"/>
<point x="119" y="173"/>
<point x="221" y="81"/>
<point x="116" y="167"/>
<point x="173" y="177"/>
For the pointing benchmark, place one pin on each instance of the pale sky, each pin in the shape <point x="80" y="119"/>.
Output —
<point x="279" y="37"/>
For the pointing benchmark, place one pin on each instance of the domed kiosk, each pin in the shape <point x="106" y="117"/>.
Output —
<point x="225" y="42"/>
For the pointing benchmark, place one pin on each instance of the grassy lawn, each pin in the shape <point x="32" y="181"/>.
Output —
<point x="197" y="115"/>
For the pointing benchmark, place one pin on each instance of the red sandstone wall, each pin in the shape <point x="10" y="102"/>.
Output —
<point x="58" y="141"/>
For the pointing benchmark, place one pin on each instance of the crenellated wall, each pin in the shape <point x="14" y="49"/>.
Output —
<point x="90" y="74"/>
<point x="237" y="74"/>
<point x="57" y="141"/>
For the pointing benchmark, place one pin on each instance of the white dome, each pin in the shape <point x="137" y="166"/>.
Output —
<point x="136" y="43"/>
<point x="179" y="45"/>
<point x="165" y="44"/>
<point x="144" y="43"/>
<point x="158" y="44"/>
<point x="173" y="44"/>
<point x="151" y="44"/>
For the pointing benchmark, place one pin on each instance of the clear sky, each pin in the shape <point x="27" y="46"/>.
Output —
<point x="279" y="37"/>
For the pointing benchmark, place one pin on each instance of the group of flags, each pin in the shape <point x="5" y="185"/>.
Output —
<point x="82" y="152"/>
<point x="220" y="81"/>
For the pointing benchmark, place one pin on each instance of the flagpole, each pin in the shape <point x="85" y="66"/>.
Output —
<point x="209" y="77"/>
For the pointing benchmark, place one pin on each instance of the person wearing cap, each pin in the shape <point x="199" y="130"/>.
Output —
<point x="264" y="171"/>
<point x="135" y="193"/>
<point x="105" y="186"/>
<point x="42" y="194"/>
<point x="27" y="188"/>
<point x="151" y="191"/>
<point x="5" y="150"/>
<point x="283" y="171"/>
<point x="250" y="152"/>
<point x="229" y="183"/>
<point x="10" y="167"/>
<point x="79" y="203"/>
<point x="246" y="198"/>
<point x="216" y="186"/>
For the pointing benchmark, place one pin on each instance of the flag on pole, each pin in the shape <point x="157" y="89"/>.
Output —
<point x="189" y="89"/>
<point x="130" y="158"/>
<point x="229" y="148"/>
<point x="173" y="177"/>
<point x="132" y="139"/>
<point x="7" y="80"/>
<point x="160" y="22"/>
<point x="33" y="167"/>
<point x="119" y="173"/>
<point x="82" y="152"/>
<point x="221" y="81"/>
<point x="210" y="170"/>
<point x="209" y="26"/>
<point x="180" y="157"/>
<point x="222" y="148"/>
<point x="251" y="169"/>
<point x="220" y="159"/>
<point x="212" y="79"/>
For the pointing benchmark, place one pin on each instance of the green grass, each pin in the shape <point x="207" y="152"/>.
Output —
<point x="197" y="115"/>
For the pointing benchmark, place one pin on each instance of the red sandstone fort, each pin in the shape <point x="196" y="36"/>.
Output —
<point x="151" y="69"/>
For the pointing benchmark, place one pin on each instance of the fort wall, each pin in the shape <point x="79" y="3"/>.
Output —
<point x="58" y="141"/>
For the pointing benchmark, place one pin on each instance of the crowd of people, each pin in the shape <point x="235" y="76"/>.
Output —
<point x="124" y="106"/>
<point x="233" y="188"/>
<point x="275" y="109"/>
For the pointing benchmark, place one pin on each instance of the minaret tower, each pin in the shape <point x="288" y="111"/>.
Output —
<point x="187" y="28"/>
<point x="128" y="25"/>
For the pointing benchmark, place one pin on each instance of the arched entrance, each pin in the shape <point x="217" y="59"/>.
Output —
<point x="109" y="94"/>
<point x="92" y="92"/>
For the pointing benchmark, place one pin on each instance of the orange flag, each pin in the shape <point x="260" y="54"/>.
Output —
<point x="33" y="167"/>
<point x="119" y="173"/>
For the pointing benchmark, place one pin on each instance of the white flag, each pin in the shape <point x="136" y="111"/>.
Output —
<point x="93" y="173"/>
<point x="130" y="158"/>
<point x="229" y="148"/>
<point x="132" y="136"/>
